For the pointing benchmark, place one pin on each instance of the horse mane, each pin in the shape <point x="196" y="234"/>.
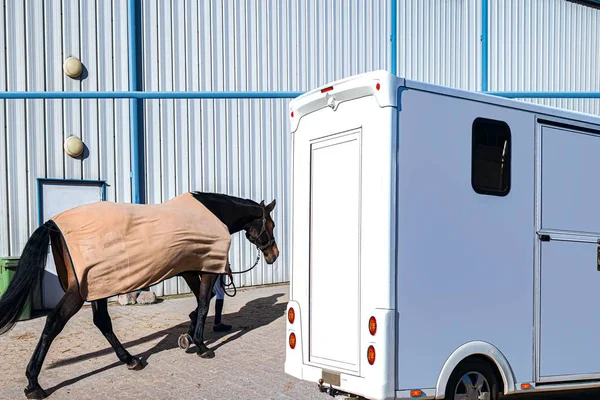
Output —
<point x="235" y="212"/>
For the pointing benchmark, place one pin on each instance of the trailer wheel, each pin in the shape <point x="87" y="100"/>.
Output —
<point x="473" y="379"/>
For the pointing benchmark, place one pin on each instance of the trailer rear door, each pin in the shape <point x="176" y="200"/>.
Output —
<point x="343" y="227"/>
<point x="334" y="312"/>
<point x="569" y="276"/>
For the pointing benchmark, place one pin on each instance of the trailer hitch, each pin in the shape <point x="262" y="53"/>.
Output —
<point x="324" y="389"/>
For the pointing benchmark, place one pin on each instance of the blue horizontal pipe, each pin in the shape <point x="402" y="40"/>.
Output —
<point x="547" y="95"/>
<point x="149" y="95"/>
<point x="246" y="95"/>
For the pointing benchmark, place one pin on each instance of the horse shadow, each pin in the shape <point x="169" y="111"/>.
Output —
<point x="253" y="315"/>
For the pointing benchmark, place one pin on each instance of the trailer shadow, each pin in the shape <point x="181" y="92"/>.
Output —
<point x="253" y="315"/>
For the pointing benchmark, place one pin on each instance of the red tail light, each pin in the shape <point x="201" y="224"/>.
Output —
<point x="291" y="315"/>
<point x="371" y="355"/>
<point x="292" y="340"/>
<point x="372" y="326"/>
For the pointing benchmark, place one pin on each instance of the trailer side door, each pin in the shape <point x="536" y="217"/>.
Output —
<point x="568" y="230"/>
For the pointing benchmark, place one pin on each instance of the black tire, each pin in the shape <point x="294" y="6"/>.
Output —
<point x="472" y="367"/>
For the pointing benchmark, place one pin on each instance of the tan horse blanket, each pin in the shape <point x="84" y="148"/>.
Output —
<point x="115" y="248"/>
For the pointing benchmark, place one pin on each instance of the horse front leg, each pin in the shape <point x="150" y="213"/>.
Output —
<point x="206" y="286"/>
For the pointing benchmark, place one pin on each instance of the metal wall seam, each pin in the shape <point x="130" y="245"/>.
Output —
<point x="394" y="37"/>
<point x="105" y="115"/>
<point x="120" y="64"/>
<point x="16" y="122"/>
<point x="34" y="111"/>
<point x="484" y="45"/>
<point x="55" y="163"/>
<point x="4" y="166"/>
<point x="71" y="46"/>
<point x="89" y="109"/>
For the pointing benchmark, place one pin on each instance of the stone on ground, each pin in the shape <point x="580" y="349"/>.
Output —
<point x="146" y="298"/>
<point x="127" y="298"/>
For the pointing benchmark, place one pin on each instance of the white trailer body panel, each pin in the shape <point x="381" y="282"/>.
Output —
<point x="394" y="217"/>
<point x="465" y="260"/>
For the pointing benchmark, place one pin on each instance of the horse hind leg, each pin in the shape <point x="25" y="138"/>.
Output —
<point x="204" y="296"/>
<point x="55" y="322"/>
<point x="103" y="322"/>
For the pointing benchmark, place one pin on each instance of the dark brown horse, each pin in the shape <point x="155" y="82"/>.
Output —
<point x="236" y="213"/>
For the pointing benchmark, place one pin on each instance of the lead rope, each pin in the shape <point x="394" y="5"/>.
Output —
<point x="227" y="285"/>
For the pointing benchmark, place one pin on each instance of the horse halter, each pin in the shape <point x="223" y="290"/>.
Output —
<point x="262" y="232"/>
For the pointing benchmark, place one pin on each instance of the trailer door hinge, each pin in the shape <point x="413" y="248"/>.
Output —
<point x="545" y="238"/>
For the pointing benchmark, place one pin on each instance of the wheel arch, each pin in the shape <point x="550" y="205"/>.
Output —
<point x="476" y="349"/>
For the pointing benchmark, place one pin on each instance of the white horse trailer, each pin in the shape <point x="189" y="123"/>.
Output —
<point x="444" y="243"/>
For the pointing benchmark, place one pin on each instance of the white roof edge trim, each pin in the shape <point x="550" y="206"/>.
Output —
<point x="483" y="97"/>
<point x="346" y="89"/>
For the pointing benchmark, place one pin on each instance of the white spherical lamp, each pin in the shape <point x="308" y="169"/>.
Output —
<point x="72" y="67"/>
<point x="73" y="146"/>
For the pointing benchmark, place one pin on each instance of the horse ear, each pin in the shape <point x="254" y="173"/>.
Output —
<point x="271" y="206"/>
<point x="262" y="203"/>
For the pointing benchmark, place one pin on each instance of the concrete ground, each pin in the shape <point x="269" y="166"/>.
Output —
<point x="248" y="364"/>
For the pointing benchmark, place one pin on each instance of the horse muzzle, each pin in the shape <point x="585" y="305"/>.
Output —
<point x="271" y="254"/>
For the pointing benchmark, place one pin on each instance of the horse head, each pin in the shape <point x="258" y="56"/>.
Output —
<point x="260" y="233"/>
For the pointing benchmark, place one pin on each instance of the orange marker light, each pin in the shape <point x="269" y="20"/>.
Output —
<point x="416" y="393"/>
<point x="371" y="355"/>
<point x="372" y="326"/>
<point x="292" y="340"/>
<point x="525" y="386"/>
<point x="291" y="315"/>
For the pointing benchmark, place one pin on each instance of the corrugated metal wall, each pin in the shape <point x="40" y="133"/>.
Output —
<point x="549" y="45"/>
<point x="242" y="147"/>
<point x="239" y="147"/>
<point x="35" y="38"/>
<point x="439" y="42"/>
<point x="534" y="45"/>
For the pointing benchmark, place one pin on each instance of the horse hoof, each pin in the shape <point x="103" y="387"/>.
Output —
<point x="207" y="354"/>
<point x="184" y="341"/>
<point x="135" y="365"/>
<point x="36" y="393"/>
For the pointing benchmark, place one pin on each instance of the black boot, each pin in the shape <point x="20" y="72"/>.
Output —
<point x="219" y="327"/>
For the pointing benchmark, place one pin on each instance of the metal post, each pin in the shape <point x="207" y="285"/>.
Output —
<point x="134" y="104"/>
<point x="484" y="45"/>
<point x="394" y="36"/>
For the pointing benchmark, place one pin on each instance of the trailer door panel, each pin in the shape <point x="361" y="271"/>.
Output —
<point x="569" y="279"/>
<point x="334" y="247"/>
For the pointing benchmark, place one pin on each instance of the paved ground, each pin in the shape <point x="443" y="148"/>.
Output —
<point x="248" y="363"/>
<point x="81" y="365"/>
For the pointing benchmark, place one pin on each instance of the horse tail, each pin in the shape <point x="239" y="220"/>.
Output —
<point x="29" y="273"/>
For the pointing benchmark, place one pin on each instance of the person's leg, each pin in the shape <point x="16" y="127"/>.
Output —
<point x="220" y="293"/>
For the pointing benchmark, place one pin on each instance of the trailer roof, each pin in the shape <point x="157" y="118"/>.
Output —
<point x="540" y="109"/>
